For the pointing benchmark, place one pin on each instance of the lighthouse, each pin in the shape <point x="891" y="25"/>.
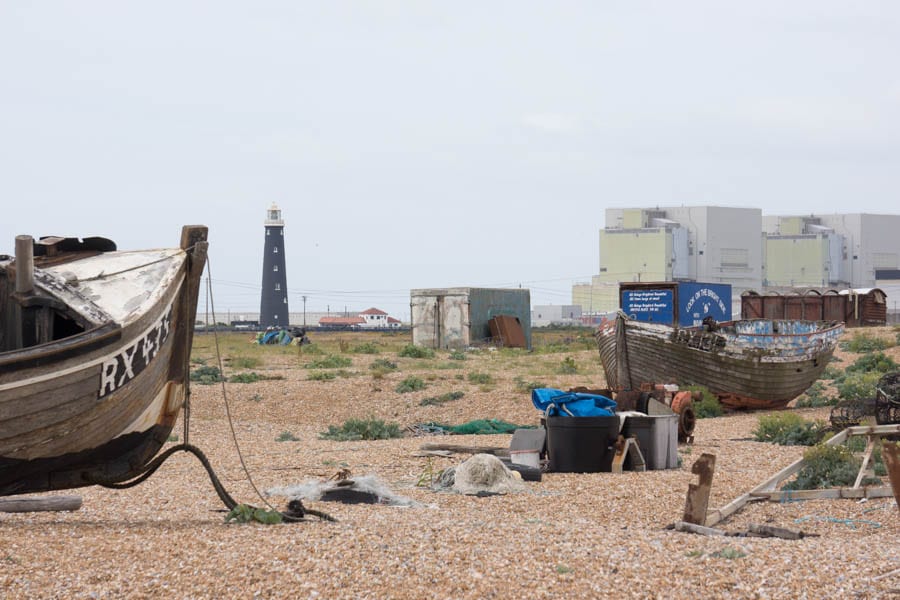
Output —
<point x="273" y="301"/>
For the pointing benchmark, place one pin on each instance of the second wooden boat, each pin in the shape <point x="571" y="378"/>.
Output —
<point x="756" y="363"/>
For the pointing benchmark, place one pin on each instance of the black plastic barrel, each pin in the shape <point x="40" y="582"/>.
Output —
<point x="581" y="444"/>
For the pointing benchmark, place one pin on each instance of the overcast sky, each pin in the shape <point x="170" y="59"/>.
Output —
<point x="434" y="144"/>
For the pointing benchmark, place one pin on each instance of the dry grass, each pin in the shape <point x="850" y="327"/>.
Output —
<point x="569" y="536"/>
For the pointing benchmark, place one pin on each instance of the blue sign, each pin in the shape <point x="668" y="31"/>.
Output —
<point x="699" y="300"/>
<point x="653" y="306"/>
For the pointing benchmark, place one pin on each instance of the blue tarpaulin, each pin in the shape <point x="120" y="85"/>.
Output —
<point x="572" y="404"/>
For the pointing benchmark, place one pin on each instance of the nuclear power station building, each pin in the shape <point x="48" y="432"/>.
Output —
<point x="742" y="248"/>
<point x="273" y="302"/>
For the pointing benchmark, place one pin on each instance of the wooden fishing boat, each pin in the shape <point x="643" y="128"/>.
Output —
<point x="94" y="357"/>
<point x="755" y="363"/>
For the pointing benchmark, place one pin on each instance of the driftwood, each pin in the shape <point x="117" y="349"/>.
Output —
<point x="495" y="450"/>
<point x="698" y="529"/>
<point x="40" y="503"/>
<point x="427" y="453"/>
<point x="755" y="530"/>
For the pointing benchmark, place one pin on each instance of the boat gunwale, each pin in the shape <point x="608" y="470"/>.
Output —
<point x="606" y="329"/>
<point x="61" y="349"/>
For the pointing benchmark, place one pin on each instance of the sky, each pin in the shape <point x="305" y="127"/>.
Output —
<point x="433" y="144"/>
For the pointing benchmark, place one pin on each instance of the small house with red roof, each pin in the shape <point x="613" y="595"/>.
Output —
<point x="372" y="318"/>
<point x="378" y="319"/>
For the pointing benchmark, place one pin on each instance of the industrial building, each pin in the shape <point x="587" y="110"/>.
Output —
<point x="852" y="250"/>
<point x="742" y="248"/>
<point x="714" y="244"/>
<point x="555" y="314"/>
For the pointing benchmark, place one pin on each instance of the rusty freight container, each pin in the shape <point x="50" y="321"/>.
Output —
<point x="865" y="307"/>
<point x="856" y="308"/>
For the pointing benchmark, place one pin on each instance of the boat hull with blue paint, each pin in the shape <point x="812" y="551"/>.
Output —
<point x="754" y="363"/>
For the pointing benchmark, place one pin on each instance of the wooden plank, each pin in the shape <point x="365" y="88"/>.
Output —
<point x="825" y="494"/>
<point x="623" y="447"/>
<point x="40" y="503"/>
<point x="426" y="453"/>
<point x="867" y="456"/>
<point x="697" y="502"/>
<point x="771" y="483"/>
<point x="698" y="529"/>
<point x="495" y="450"/>
<point x="886" y="575"/>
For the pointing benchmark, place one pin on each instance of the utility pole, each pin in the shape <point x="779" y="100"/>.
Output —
<point x="304" y="311"/>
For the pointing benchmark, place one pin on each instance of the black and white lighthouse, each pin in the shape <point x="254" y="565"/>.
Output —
<point x="273" y="301"/>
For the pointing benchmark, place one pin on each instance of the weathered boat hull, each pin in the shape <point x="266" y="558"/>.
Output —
<point x="97" y="406"/>
<point x="749" y="367"/>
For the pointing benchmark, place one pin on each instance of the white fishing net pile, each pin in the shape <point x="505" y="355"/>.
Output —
<point x="485" y="473"/>
<point x="313" y="490"/>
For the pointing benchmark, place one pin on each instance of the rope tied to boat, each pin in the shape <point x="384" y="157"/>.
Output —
<point x="295" y="502"/>
<point x="296" y="512"/>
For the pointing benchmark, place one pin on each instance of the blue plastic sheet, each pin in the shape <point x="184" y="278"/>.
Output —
<point x="557" y="403"/>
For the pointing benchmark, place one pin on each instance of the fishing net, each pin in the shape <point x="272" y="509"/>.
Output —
<point x="486" y="474"/>
<point x="323" y="490"/>
<point x="477" y="427"/>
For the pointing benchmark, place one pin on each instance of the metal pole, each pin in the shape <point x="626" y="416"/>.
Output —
<point x="207" y="305"/>
<point x="304" y="311"/>
<point x="24" y="264"/>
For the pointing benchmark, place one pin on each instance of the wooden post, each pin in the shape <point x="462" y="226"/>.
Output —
<point x="40" y="503"/>
<point x="891" y="453"/>
<point x="24" y="264"/>
<point x="697" y="502"/>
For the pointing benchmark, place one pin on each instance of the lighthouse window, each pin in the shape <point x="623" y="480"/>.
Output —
<point x="281" y="232"/>
<point x="275" y="268"/>
<point x="285" y="299"/>
<point x="275" y="249"/>
<point x="277" y="287"/>
<point x="268" y="232"/>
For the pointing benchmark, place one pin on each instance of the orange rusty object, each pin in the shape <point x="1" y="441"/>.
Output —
<point x="681" y="400"/>
<point x="683" y="406"/>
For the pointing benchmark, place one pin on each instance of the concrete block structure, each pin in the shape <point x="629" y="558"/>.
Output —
<point x="459" y="317"/>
